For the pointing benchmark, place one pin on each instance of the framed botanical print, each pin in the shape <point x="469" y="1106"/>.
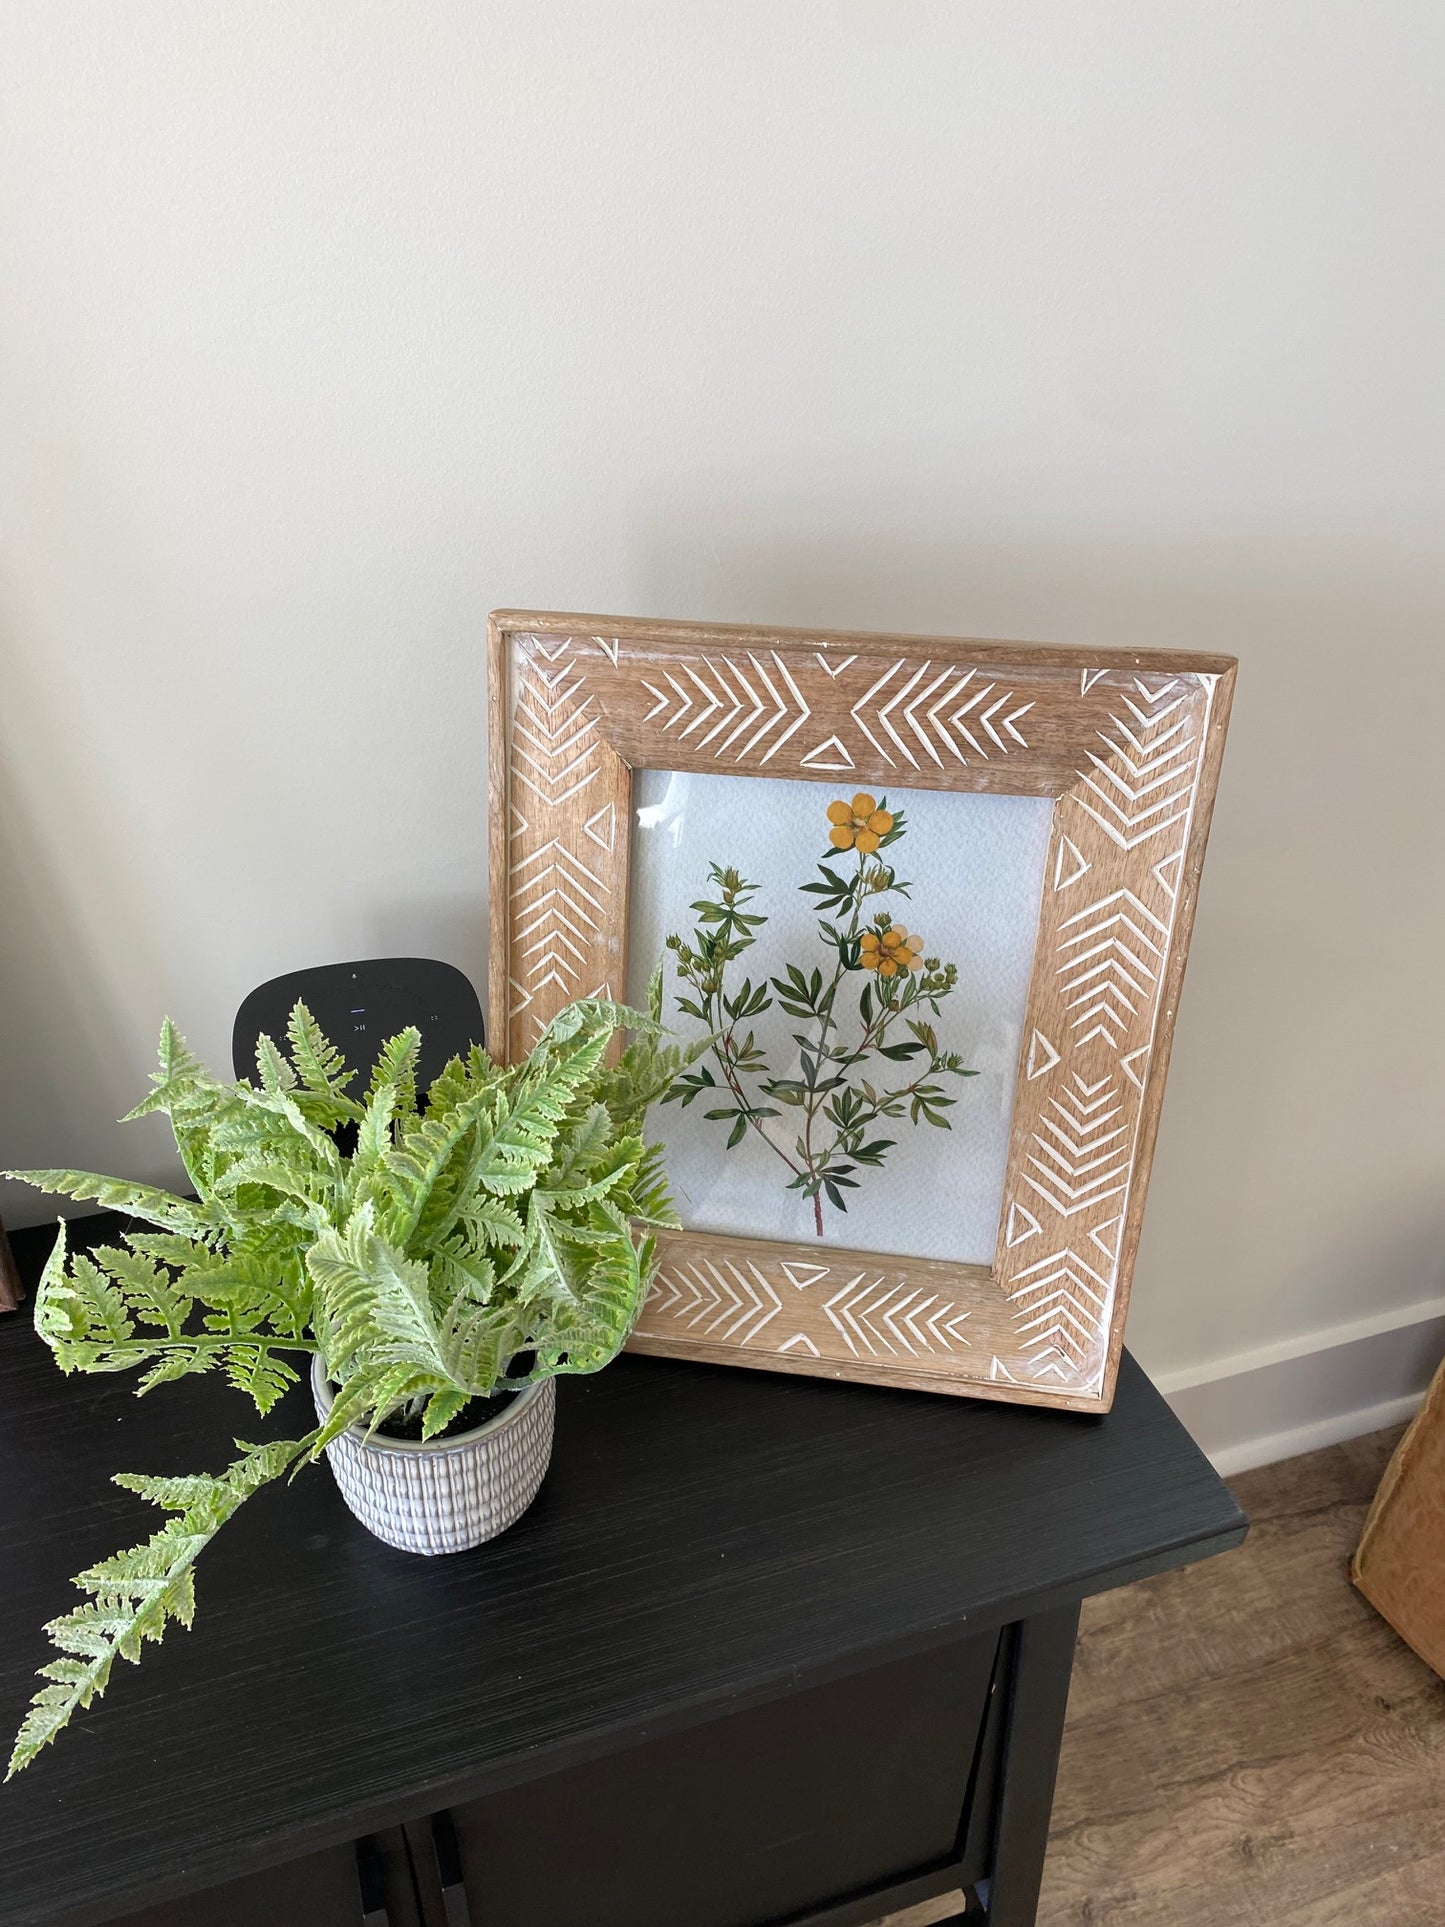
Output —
<point x="923" y="907"/>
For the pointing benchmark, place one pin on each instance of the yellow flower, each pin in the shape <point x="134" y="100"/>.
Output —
<point x="890" y="951"/>
<point x="859" y="825"/>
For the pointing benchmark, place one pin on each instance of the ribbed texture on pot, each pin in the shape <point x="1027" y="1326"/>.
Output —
<point x="449" y="1494"/>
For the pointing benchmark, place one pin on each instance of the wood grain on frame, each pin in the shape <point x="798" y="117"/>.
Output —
<point x="1127" y="743"/>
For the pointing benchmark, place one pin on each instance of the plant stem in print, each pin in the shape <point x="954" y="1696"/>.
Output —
<point x="861" y="1012"/>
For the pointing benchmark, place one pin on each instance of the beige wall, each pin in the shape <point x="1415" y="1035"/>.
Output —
<point x="326" y="326"/>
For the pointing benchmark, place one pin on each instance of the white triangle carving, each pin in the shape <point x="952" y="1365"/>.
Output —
<point x="1089" y="678"/>
<point x="1106" y="1236"/>
<point x="1022" y="1225"/>
<point x="602" y="827"/>
<point x="802" y="1275"/>
<point x="609" y="648"/>
<point x="1175" y="864"/>
<point x="834" y="669"/>
<point x="1071" y="858"/>
<point x="1139" y="1058"/>
<point x="999" y="1370"/>
<point x="1042" y="1055"/>
<point x="830" y="755"/>
<point x="800" y="1342"/>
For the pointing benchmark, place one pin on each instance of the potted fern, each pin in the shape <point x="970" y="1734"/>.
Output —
<point x="436" y="1278"/>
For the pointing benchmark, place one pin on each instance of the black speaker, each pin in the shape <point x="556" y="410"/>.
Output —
<point x="361" y="1005"/>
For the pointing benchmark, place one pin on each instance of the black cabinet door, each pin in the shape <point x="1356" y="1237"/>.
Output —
<point x="367" y="1885"/>
<point x="748" y="1819"/>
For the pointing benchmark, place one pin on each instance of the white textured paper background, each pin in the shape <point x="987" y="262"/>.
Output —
<point x="976" y="865"/>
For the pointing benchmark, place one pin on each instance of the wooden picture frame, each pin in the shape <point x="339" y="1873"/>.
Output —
<point x="1127" y="743"/>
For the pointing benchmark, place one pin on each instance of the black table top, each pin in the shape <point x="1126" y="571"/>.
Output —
<point x="705" y="1539"/>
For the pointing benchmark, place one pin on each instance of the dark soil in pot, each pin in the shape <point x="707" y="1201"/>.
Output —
<point x="476" y="1411"/>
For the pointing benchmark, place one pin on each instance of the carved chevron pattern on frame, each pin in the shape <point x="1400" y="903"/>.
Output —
<point x="939" y="711"/>
<point x="732" y="703"/>
<point x="1109" y="906"/>
<point x="877" y="1316"/>
<point x="557" y="902"/>
<point x="817" y="713"/>
<point x="1112" y="958"/>
<point x="1124" y="750"/>
<point x="562" y="834"/>
<point x="1145" y="786"/>
<point x="715" y="1299"/>
<point x="750" y="708"/>
<point x="842" y="1310"/>
<point x="1081" y="1154"/>
<point x="554" y="735"/>
<point x="1061" y="1305"/>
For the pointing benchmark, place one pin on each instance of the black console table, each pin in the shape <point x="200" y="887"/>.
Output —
<point x="766" y="1650"/>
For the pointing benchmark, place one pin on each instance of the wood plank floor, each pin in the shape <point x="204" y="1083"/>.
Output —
<point x="1248" y="1744"/>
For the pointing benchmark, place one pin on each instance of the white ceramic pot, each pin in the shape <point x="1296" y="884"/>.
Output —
<point x="444" y="1495"/>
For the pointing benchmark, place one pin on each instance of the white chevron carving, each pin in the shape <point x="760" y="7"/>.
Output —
<point x="1083" y="1153"/>
<point x="1147" y="782"/>
<point x="554" y="735"/>
<point x="736" y="701"/>
<point x="1061" y="1305"/>
<point x="873" y="1316"/>
<point x="1111" y="965"/>
<point x="919" y="712"/>
<point x="722" y="1300"/>
<point x="557" y="904"/>
<point x="757" y="702"/>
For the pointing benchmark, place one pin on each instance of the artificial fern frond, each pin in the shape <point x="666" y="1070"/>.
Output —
<point x="145" y="1201"/>
<point x="489" y="1223"/>
<point x="374" y="1301"/>
<point x="259" y="1371"/>
<point x="396" y="1065"/>
<point x="588" y="1326"/>
<point x="321" y="1071"/>
<point x="593" y="1013"/>
<point x="647" y="1199"/>
<point x="274" y="1070"/>
<point x="147" y="1288"/>
<point x="180" y="1079"/>
<point x="599" y="1176"/>
<point x="425" y="1171"/>
<point x="451" y="1085"/>
<point x="135" y="1594"/>
<point x="319" y="1064"/>
<point x="457" y="1273"/>
<point x="478" y="1341"/>
<point x="422" y="1266"/>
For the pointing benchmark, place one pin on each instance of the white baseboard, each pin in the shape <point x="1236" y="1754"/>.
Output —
<point x="1281" y="1400"/>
